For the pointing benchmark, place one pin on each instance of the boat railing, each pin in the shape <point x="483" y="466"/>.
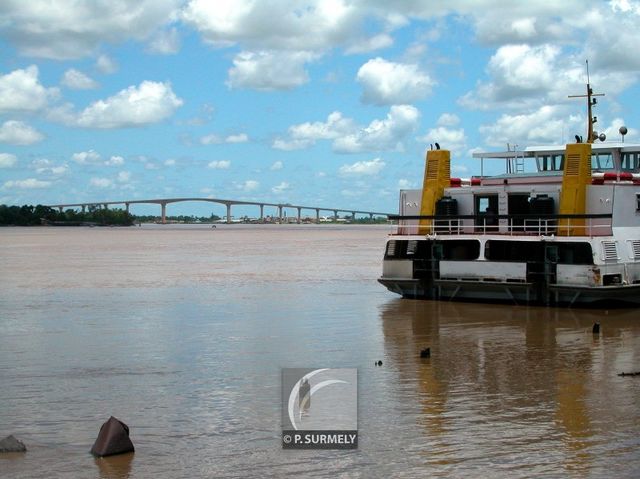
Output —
<point x="510" y="225"/>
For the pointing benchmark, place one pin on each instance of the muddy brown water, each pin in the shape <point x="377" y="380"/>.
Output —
<point x="181" y="332"/>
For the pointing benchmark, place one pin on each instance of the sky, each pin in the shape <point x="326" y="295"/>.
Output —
<point x="329" y="103"/>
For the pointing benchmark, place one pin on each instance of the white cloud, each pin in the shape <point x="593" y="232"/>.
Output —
<point x="7" y="160"/>
<point x="498" y="22"/>
<point x="405" y="184"/>
<point x="388" y="83"/>
<point x="548" y="124"/>
<point x="46" y="167"/>
<point x="369" y="44"/>
<point x="28" y="184"/>
<point x="518" y="73"/>
<point x="290" y="145"/>
<point x="170" y="162"/>
<point x="149" y="102"/>
<point x="213" y="139"/>
<point x="348" y="137"/>
<point x="306" y="134"/>
<point x="106" y="65"/>
<point x="57" y="170"/>
<point x="277" y="165"/>
<point x="381" y="135"/>
<point x="248" y="185"/>
<point x="86" y="157"/>
<point x="612" y="52"/>
<point x="59" y="30"/>
<point x="281" y="188"/>
<point x="283" y="25"/>
<point x="165" y="42"/>
<point x="448" y="119"/>
<point x="335" y="126"/>
<point x="523" y="77"/>
<point x="269" y="70"/>
<point x="124" y="176"/>
<point x="239" y="138"/>
<point x="19" y="133"/>
<point x="76" y="80"/>
<point x="101" y="182"/>
<point x="115" y="161"/>
<point x="220" y="165"/>
<point x="21" y="91"/>
<point x="372" y="167"/>
<point x="534" y="23"/>
<point x="448" y="138"/>
<point x="322" y="25"/>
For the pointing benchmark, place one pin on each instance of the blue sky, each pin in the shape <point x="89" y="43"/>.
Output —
<point x="327" y="102"/>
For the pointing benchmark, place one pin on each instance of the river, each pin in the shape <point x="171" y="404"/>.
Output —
<point x="182" y="331"/>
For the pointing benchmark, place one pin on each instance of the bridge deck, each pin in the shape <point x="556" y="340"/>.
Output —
<point x="163" y="202"/>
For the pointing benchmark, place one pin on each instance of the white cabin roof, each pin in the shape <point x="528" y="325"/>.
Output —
<point x="531" y="151"/>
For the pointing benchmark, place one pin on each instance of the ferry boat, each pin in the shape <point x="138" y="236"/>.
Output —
<point x="561" y="225"/>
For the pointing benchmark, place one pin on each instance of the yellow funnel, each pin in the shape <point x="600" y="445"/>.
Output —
<point x="573" y="196"/>
<point x="437" y="176"/>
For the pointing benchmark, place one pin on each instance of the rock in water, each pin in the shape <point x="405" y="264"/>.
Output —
<point x="113" y="438"/>
<point x="11" y="444"/>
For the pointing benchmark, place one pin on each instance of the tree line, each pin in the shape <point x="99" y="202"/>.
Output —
<point x="29" y="215"/>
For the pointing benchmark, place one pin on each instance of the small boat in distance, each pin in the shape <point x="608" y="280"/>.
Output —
<point x="561" y="225"/>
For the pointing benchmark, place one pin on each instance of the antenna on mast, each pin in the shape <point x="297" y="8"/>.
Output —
<point x="587" y="62"/>
<point x="591" y="102"/>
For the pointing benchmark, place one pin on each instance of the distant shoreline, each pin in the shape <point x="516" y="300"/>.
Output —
<point x="207" y="226"/>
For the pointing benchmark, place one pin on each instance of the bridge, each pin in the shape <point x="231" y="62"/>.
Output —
<point x="163" y="202"/>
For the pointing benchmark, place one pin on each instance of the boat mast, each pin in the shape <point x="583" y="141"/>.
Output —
<point x="591" y="102"/>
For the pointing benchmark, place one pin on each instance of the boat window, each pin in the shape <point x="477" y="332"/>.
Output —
<point x="630" y="161"/>
<point x="522" y="251"/>
<point x="601" y="161"/>
<point x="486" y="207"/>
<point x="637" y="201"/>
<point x="551" y="162"/>
<point x="401" y="249"/>
<point x="486" y="204"/>
<point x="534" y="251"/>
<point x="460" y="250"/>
<point x="574" y="253"/>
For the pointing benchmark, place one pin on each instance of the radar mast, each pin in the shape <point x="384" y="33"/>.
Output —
<point x="591" y="102"/>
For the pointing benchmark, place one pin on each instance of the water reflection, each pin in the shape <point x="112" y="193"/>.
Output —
<point x="507" y="381"/>
<point x="115" y="467"/>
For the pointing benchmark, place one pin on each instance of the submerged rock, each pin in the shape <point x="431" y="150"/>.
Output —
<point x="11" y="444"/>
<point x="113" y="438"/>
